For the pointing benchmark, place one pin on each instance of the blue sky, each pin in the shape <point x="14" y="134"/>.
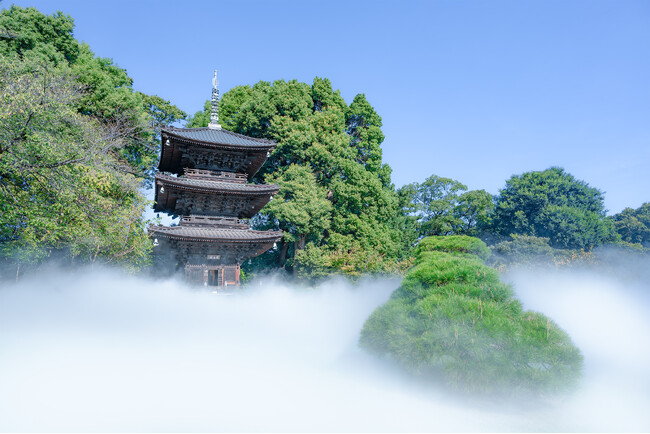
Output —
<point x="472" y="90"/>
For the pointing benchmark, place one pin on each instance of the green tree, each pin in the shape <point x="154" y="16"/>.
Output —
<point x="473" y="211"/>
<point x="161" y="113"/>
<point x="300" y="209"/>
<point x="555" y="205"/>
<point x="60" y="187"/>
<point x="200" y="119"/>
<point x="106" y="90"/>
<point x="340" y="146"/>
<point x="364" y="127"/>
<point x="76" y="144"/>
<point x="46" y="37"/>
<point x="442" y="206"/>
<point x="633" y="225"/>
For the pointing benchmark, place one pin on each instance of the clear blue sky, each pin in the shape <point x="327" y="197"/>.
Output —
<point x="472" y="90"/>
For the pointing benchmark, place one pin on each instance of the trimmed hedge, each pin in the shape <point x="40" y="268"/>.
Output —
<point x="452" y="320"/>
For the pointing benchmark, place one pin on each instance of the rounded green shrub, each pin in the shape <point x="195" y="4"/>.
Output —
<point x="453" y="321"/>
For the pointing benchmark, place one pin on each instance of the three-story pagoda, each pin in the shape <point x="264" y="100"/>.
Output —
<point x="203" y="177"/>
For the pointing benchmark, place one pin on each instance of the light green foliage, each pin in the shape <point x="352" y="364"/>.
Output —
<point x="633" y="225"/>
<point x="76" y="143"/>
<point x="554" y="205"/>
<point x="59" y="187"/>
<point x="107" y="94"/>
<point x="339" y="147"/>
<point x="442" y="206"/>
<point x="455" y="245"/>
<point x="160" y="113"/>
<point x="453" y="322"/>
<point x="200" y="119"/>
<point x="319" y="261"/>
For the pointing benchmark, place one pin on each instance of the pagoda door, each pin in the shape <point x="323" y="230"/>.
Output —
<point x="215" y="277"/>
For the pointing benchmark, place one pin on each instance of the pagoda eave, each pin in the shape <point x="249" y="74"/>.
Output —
<point x="214" y="235"/>
<point x="185" y="196"/>
<point x="211" y="245"/>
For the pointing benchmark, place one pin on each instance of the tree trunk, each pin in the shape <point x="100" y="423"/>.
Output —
<point x="302" y="240"/>
<point x="284" y="247"/>
<point x="299" y="244"/>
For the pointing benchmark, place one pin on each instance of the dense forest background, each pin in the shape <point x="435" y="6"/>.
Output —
<point x="78" y="146"/>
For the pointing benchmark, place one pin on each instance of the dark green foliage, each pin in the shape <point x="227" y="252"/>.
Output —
<point x="48" y="37"/>
<point x="555" y="205"/>
<point x="633" y="225"/>
<point x="329" y="161"/>
<point x="453" y="321"/>
<point x="442" y="206"/>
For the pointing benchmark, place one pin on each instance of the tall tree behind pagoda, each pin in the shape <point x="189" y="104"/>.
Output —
<point x="77" y="143"/>
<point x="340" y="145"/>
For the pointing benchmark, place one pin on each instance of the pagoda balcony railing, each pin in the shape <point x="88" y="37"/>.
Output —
<point x="222" y="222"/>
<point x="239" y="178"/>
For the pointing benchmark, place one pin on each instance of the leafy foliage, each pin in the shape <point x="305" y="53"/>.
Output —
<point x="76" y="143"/>
<point x="452" y="321"/>
<point x="60" y="184"/>
<point x="29" y="32"/>
<point x="554" y="205"/>
<point x="337" y="148"/>
<point x="633" y="225"/>
<point x="442" y="206"/>
<point x="106" y="92"/>
<point x="300" y="209"/>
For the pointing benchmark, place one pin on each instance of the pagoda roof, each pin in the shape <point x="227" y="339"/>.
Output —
<point x="211" y="234"/>
<point x="212" y="149"/>
<point x="210" y="197"/>
<point x="204" y="185"/>
<point x="209" y="136"/>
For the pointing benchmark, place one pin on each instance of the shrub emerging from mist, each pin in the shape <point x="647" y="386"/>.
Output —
<point x="453" y="321"/>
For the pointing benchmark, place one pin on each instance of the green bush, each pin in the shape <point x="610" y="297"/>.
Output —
<point x="453" y="321"/>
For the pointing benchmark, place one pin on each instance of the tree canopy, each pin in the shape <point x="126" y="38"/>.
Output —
<point x="554" y="205"/>
<point x="633" y="225"/>
<point x="76" y="144"/>
<point x="443" y="206"/>
<point x="338" y="150"/>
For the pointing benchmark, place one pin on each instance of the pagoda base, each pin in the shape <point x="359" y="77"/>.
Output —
<point x="213" y="276"/>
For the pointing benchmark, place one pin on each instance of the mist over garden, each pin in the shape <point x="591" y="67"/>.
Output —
<point x="79" y="148"/>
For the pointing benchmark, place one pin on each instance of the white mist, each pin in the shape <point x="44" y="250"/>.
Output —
<point x="105" y="352"/>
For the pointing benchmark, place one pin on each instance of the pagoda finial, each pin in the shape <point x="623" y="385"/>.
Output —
<point x="214" y="113"/>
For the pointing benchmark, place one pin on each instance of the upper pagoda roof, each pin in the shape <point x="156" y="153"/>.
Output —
<point x="210" y="136"/>
<point x="212" y="234"/>
<point x="212" y="149"/>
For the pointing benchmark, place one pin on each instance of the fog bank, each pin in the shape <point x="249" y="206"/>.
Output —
<point x="107" y="352"/>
